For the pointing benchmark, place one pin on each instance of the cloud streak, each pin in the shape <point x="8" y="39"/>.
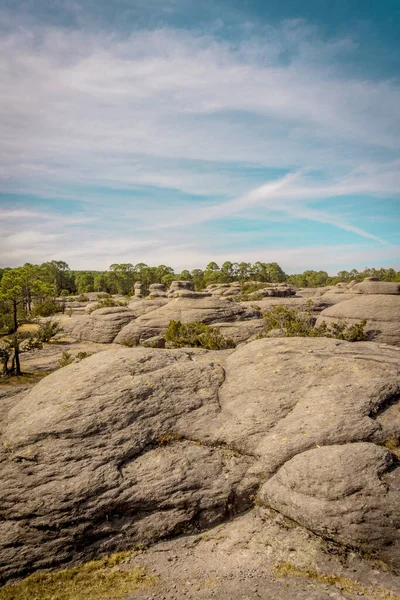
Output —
<point x="168" y="129"/>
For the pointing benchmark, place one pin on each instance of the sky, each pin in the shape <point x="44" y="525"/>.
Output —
<point x="181" y="132"/>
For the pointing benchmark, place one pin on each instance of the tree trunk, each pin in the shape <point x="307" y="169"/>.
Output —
<point x="15" y="319"/>
<point x="17" y="363"/>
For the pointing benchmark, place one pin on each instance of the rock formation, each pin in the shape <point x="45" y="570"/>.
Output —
<point x="139" y="289"/>
<point x="207" y="310"/>
<point x="135" y="444"/>
<point x="102" y="325"/>
<point x="382" y="313"/>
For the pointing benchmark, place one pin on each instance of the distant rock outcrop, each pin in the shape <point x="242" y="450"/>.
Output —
<point x="101" y="325"/>
<point x="206" y="310"/>
<point x="374" y="286"/>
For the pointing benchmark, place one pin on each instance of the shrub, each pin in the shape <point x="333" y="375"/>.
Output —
<point x="342" y="331"/>
<point x="46" y="308"/>
<point x="293" y="322"/>
<point x="130" y="343"/>
<point x="82" y="298"/>
<point x="66" y="359"/>
<point x="48" y="330"/>
<point x="64" y="293"/>
<point x="107" y="302"/>
<point x="196" y="335"/>
<point x="82" y="355"/>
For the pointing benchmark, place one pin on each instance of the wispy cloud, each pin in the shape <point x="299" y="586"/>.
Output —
<point x="268" y="122"/>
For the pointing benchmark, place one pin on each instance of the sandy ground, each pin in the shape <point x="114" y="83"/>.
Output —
<point x="239" y="560"/>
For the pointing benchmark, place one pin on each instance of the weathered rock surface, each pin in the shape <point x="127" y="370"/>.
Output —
<point x="142" y="306"/>
<point x="382" y="313"/>
<point x="241" y="331"/>
<point x="346" y="493"/>
<point x="157" y="290"/>
<point x="134" y="444"/>
<point x="187" y="310"/>
<point x="371" y="286"/>
<point x="102" y="325"/>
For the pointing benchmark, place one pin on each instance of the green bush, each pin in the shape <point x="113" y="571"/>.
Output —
<point x="130" y="343"/>
<point x="46" y="308"/>
<point x="64" y="293"/>
<point x="196" y="335"/>
<point x="82" y="355"/>
<point x="48" y="330"/>
<point x="293" y="322"/>
<point x="106" y="303"/>
<point x="82" y="298"/>
<point x="65" y="360"/>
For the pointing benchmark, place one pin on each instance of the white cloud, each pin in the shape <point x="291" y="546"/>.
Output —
<point x="82" y="109"/>
<point x="80" y="106"/>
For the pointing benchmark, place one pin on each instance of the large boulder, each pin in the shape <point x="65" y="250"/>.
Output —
<point x="374" y="286"/>
<point x="136" y="444"/>
<point x="102" y="325"/>
<point x="343" y="492"/>
<point x="141" y="306"/>
<point x="108" y="452"/>
<point x="382" y="313"/>
<point x="186" y="310"/>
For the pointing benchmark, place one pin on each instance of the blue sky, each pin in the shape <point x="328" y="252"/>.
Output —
<point x="180" y="132"/>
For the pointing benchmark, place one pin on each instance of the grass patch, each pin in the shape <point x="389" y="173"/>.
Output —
<point x="348" y="585"/>
<point x="93" y="580"/>
<point x="394" y="446"/>
<point x="24" y="379"/>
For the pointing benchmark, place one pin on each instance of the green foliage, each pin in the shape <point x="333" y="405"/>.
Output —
<point x="65" y="360"/>
<point x="81" y="355"/>
<point x="342" y="331"/>
<point x="293" y="322"/>
<point x="48" y="330"/>
<point x="130" y="343"/>
<point x="12" y="346"/>
<point x="46" y="308"/>
<point x="82" y="298"/>
<point x="64" y="293"/>
<point x="107" y="303"/>
<point x="198" y="335"/>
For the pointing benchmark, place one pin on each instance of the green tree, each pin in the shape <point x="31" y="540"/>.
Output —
<point x="18" y="287"/>
<point x="84" y="281"/>
<point x="122" y="277"/>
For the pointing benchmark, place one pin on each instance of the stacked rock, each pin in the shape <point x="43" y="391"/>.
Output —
<point x="139" y="289"/>
<point x="157" y="290"/>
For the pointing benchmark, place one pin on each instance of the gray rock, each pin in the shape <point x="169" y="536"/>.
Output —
<point x="346" y="493"/>
<point x="134" y="444"/>
<point x="374" y="286"/>
<point x="139" y="289"/>
<point x="102" y="325"/>
<point x="187" y="310"/>
<point x="157" y="290"/>
<point x="382" y="313"/>
<point x="241" y="331"/>
<point x="99" y="455"/>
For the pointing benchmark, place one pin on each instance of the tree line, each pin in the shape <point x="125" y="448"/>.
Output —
<point x="55" y="278"/>
<point x="32" y="291"/>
